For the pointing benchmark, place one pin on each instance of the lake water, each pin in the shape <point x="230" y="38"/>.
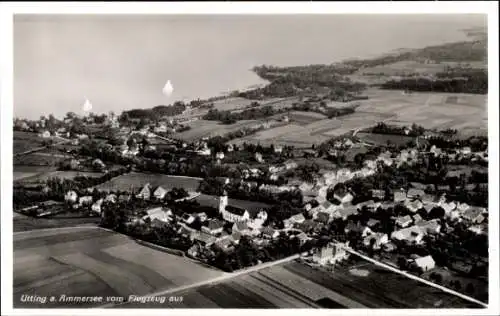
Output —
<point x="123" y="62"/>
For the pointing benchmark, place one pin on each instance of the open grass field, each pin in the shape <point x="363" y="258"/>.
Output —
<point x="94" y="262"/>
<point x="295" y="285"/>
<point x="135" y="180"/>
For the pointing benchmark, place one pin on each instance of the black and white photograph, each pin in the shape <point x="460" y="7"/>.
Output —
<point x="246" y="160"/>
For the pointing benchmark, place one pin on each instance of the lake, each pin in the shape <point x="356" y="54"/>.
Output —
<point x="123" y="62"/>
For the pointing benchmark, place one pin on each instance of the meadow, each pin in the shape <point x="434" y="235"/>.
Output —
<point x="136" y="180"/>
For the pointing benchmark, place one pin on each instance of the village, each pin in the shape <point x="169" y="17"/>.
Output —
<point x="319" y="214"/>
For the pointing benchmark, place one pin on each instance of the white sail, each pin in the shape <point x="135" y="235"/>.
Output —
<point x="87" y="106"/>
<point x="168" y="89"/>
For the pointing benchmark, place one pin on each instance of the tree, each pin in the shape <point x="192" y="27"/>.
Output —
<point x="469" y="289"/>
<point x="458" y="285"/>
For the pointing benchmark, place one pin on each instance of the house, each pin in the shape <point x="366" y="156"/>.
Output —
<point x="424" y="264"/>
<point x="448" y="207"/>
<point x="345" y="211"/>
<point x="378" y="194"/>
<point x="429" y="206"/>
<point x="430" y="227"/>
<point x="224" y="244"/>
<point x="159" y="213"/>
<point x="186" y="232"/>
<point x="417" y="219"/>
<point x="302" y="237"/>
<point x="378" y="240"/>
<point x="481" y="229"/>
<point x="96" y="207"/>
<point x="188" y="218"/>
<point x="462" y="207"/>
<point x="270" y="233"/>
<point x="411" y="235"/>
<point x="373" y="223"/>
<point x="413" y="206"/>
<point x="297" y="218"/>
<point x="359" y="229"/>
<point x="213" y="227"/>
<point x="111" y="198"/>
<point x="331" y="254"/>
<point x="322" y="217"/>
<point x="235" y="214"/>
<point x="404" y="221"/>
<point x="202" y="216"/>
<point x="85" y="200"/>
<point x="160" y="193"/>
<point x="399" y="196"/>
<point x="290" y="165"/>
<point x="44" y="134"/>
<point x="98" y="164"/>
<point x="145" y="192"/>
<point x="71" y="197"/>
<point x="240" y="227"/>
<point x="204" y="239"/>
<point x="343" y="197"/>
<point x="473" y="215"/>
<point x="219" y="155"/>
<point x="278" y="149"/>
<point x="258" y="158"/>
<point x="466" y="151"/>
<point x="124" y="198"/>
<point x="236" y="236"/>
<point x="415" y="193"/>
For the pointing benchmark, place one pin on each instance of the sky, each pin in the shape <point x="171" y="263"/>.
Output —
<point x="121" y="62"/>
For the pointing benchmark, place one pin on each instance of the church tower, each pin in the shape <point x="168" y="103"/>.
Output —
<point x="223" y="201"/>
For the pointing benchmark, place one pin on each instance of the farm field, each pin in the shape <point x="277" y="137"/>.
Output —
<point x="24" y="141"/>
<point x="26" y="223"/>
<point x="136" y="180"/>
<point x="23" y="171"/>
<point x="296" y="285"/>
<point x="94" y="262"/>
<point x="304" y="118"/>
<point x="202" y="128"/>
<point x="60" y="174"/>
<point x="381" y="139"/>
<point x="40" y="159"/>
<point x="230" y="104"/>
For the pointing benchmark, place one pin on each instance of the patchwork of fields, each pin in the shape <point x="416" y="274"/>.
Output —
<point x="135" y="180"/>
<point x="94" y="262"/>
<point x="295" y="285"/>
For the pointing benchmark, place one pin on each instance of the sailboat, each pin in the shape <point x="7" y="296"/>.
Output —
<point x="168" y="89"/>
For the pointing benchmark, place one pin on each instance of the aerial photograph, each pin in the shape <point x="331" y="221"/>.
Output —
<point x="333" y="161"/>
